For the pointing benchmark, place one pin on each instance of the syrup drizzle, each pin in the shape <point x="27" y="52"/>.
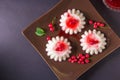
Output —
<point x="62" y="33"/>
<point x="91" y="40"/>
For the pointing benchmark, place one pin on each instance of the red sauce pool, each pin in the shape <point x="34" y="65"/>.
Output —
<point x="62" y="33"/>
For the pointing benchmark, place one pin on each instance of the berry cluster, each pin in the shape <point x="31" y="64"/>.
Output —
<point x="51" y="27"/>
<point x="96" y="24"/>
<point x="80" y="59"/>
<point x="52" y="24"/>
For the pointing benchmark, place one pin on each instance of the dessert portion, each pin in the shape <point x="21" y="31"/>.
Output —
<point x="58" y="48"/>
<point x="93" y="42"/>
<point x="72" y="21"/>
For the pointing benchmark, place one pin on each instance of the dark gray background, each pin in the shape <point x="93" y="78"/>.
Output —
<point x="18" y="59"/>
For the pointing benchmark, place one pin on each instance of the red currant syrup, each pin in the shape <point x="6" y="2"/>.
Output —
<point x="72" y="23"/>
<point x="60" y="46"/>
<point x="114" y="4"/>
<point x="91" y="40"/>
<point x="62" y="33"/>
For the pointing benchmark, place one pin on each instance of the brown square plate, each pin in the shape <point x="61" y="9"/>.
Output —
<point x="65" y="70"/>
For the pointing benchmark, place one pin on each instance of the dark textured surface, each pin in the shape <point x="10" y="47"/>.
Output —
<point x="18" y="59"/>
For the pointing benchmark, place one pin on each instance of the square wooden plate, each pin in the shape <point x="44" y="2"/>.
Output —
<point x="65" y="70"/>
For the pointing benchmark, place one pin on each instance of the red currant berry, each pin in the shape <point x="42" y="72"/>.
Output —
<point x="82" y="62"/>
<point x="79" y="62"/>
<point x="72" y="61"/>
<point x="90" y="22"/>
<point x="87" y="60"/>
<point x="75" y="60"/>
<point x="51" y="29"/>
<point x="83" y="57"/>
<point x="95" y="23"/>
<point x="50" y="25"/>
<point x="73" y="57"/>
<point x="102" y="25"/>
<point x="69" y="59"/>
<point x="48" y="38"/>
<point x="87" y="55"/>
<point x="80" y="55"/>
<point x="95" y="26"/>
<point x="98" y="23"/>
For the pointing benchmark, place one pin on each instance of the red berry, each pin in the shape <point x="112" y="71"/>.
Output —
<point x="98" y="23"/>
<point x="95" y="23"/>
<point x="87" y="55"/>
<point x="83" y="57"/>
<point x="102" y="25"/>
<point x="50" y="25"/>
<point x="87" y="60"/>
<point x="73" y="57"/>
<point x="52" y="29"/>
<point x="79" y="62"/>
<point x="72" y="61"/>
<point x="95" y="26"/>
<point x="75" y="60"/>
<point x="82" y="62"/>
<point x="80" y="55"/>
<point x="69" y="59"/>
<point x="90" y="21"/>
<point x="48" y="38"/>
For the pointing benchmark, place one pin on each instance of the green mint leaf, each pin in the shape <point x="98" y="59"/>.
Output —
<point x="39" y="34"/>
<point x="39" y="31"/>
